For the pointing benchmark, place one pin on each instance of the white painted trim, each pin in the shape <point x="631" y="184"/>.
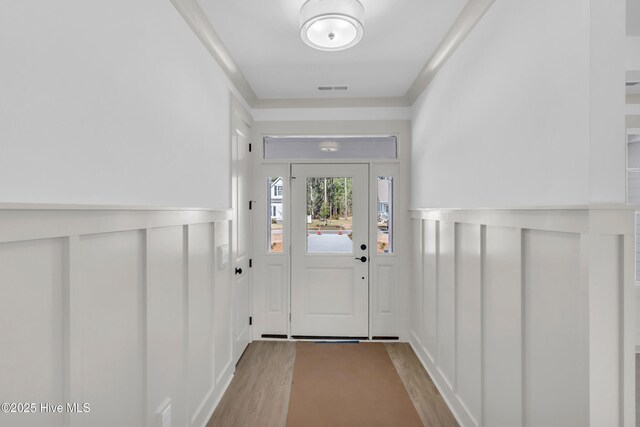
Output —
<point x="398" y="101"/>
<point x="20" y="223"/>
<point x="573" y="219"/>
<point x="462" y="26"/>
<point x="218" y="395"/>
<point x="436" y="378"/>
<point x="202" y="27"/>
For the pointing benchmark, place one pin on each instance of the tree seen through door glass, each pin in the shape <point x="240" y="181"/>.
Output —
<point x="275" y="195"/>
<point x="330" y="215"/>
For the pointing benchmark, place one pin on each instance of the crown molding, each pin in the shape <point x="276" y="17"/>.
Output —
<point x="200" y="24"/>
<point x="332" y="102"/>
<point x="462" y="26"/>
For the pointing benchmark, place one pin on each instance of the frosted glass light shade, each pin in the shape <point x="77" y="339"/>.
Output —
<point x="332" y="24"/>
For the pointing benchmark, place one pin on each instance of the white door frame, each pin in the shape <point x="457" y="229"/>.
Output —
<point x="241" y="166"/>
<point x="389" y="273"/>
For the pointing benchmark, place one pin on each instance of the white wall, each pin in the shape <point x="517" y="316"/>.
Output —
<point x="123" y="310"/>
<point x="110" y="103"/>
<point x="517" y="117"/>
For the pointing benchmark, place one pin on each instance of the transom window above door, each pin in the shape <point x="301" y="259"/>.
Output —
<point x="330" y="147"/>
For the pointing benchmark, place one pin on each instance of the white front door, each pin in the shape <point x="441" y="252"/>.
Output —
<point x="330" y="250"/>
<point x="240" y="254"/>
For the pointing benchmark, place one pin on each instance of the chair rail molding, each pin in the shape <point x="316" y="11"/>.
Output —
<point x="526" y="316"/>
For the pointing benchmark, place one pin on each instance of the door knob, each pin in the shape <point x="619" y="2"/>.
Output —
<point x="362" y="258"/>
<point x="238" y="270"/>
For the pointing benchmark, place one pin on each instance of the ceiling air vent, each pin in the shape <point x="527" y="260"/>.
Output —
<point x="331" y="88"/>
<point x="630" y="84"/>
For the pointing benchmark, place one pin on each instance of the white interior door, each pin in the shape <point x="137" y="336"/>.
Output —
<point x="330" y="250"/>
<point x="240" y="252"/>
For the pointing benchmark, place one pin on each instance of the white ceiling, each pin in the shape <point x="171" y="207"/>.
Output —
<point x="263" y="38"/>
<point x="633" y="18"/>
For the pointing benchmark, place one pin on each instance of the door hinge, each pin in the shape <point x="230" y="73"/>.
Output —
<point x="249" y="147"/>
<point x="250" y="320"/>
<point x="250" y="204"/>
<point x="250" y="262"/>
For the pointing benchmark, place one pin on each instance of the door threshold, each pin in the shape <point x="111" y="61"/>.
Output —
<point x="328" y="337"/>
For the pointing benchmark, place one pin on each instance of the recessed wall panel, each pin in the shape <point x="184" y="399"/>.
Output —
<point x="166" y="293"/>
<point x="108" y="328"/>
<point x="556" y="374"/>
<point x="429" y="285"/>
<point x="502" y="323"/>
<point x="201" y="303"/>
<point x="446" y="291"/>
<point x="468" y="276"/>
<point x="31" y="328"/>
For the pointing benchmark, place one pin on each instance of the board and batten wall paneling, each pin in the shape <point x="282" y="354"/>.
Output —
<point x="127" y="310"/>
<point x="502" y="327"/>
<point x="32" y="327"/>
<point x="446" y="303"/>
<point x="468" y="317"/>
<point x="526" y="316"/>
<point x="201" y="303"/>
<point x="429" y="291"/>
<point x="108" y="324"/>
<point x="555" y="330"/>
<point x="166" y="321"/>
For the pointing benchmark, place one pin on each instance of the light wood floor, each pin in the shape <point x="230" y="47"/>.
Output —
<point x="259" y="392"/>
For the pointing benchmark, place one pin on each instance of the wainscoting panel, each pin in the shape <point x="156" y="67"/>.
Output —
<point x="468" y="317"/>
<point x="446" y="300"/>
<point x="555" y="330"/>
<point x="125" y="309"/>
<point x="526" y="316"/>
<point x="201" y="304"/>
<point x="429" y="291"/>
<point x="502" y="327"/>
<point x="32" y="327"/>
<point x="108" y="325"/>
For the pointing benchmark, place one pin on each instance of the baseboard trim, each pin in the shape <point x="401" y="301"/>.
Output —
<point x="218" y="396"/>
<point x="445" y="393"/>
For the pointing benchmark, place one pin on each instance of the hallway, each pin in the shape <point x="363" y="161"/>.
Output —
<point x="259" y="393"/>
<point x="453" y="184"/>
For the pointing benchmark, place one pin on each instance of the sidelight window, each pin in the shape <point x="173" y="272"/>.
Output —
<point x="275" y="218"/>
<point x="385" y="214"/>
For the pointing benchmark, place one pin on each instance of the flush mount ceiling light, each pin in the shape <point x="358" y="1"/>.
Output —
<point x="332" y="24"/>
<point x="329" y="146"/>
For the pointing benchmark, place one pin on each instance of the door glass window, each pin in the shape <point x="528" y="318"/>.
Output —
<point x="329" y="215"/>
<point x="275" y="196"/>
<point x="385" y="214"/>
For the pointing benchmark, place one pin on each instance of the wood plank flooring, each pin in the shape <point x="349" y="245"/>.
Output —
<point x="431" y="407"/>
<point x="259" y="392"/>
